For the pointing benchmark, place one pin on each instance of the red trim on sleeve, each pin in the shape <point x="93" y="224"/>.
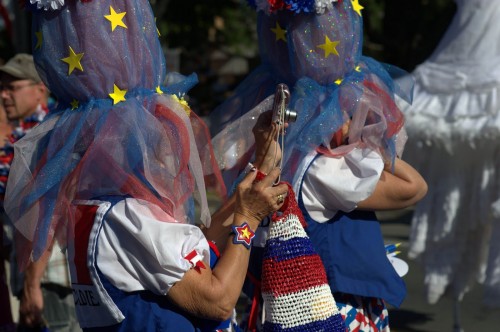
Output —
<point x="214" y="248"/>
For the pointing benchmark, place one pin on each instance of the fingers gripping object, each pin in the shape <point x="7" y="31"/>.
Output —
<point x="282" y="115"/>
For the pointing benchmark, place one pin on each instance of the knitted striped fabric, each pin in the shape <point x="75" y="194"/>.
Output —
<point x="296" y="293"/>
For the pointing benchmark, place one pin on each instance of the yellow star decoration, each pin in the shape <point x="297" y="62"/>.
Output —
<point x="39" y="40"/>
<point x="339" y="81"/>
<point x="116" y="19"/>
<point x="246" y="233"/>
<point x="358" y="69"/>
<point x="158" y="90"/>
<point x="117" y="95"/>
<point x="279" y="32"/>
<point x="184" y="104"/>
<point x="329" y="47"/>
<point x="74" y="104"/>
<point x="356" y="6"/>
<point x="157" y="30"/>
<point x="73" y="61"/>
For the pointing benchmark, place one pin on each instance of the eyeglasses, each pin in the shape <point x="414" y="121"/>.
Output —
<point x="11" y="88"/>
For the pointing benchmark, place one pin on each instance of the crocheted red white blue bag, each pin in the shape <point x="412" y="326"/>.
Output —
<point x="295" y="289"/>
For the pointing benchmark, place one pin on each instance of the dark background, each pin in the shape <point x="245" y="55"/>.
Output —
<point x="216" y="38"/>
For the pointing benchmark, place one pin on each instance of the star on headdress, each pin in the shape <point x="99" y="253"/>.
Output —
<point x="356" y="6"/>
<point x="116" y="19"/>
<point x="117" y="95"/>
<point x="74" y="104"/>
<point x="73" y="61"/>
<point x="183" y="103"/>
<point x="158" y="90"/>
<point x="39" y="40"/>
<point x="157" y="30"/>
<point x="279" y="32"/>
<point x="329" y="47"/>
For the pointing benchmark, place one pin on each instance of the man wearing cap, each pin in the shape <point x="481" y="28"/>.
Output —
<point x="21" y="88"/>
<point x="44" y="289"/>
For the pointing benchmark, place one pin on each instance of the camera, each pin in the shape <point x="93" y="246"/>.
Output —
<point x="281" y="113"/>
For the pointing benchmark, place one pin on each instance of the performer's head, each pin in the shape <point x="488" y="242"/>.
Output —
<point x="324" y="44"/>
<point x="117" y="131"/>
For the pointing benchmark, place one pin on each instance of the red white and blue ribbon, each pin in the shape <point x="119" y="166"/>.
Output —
<point x="196" y="260"/>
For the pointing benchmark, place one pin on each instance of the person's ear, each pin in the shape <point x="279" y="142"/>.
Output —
<point x="44" y="91"/>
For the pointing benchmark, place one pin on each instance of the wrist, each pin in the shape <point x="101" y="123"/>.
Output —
<point x="242" y="234"/>
<point x="30" y="287"/>
<point x="241" y="217"/>
<point x="265" y="164"/>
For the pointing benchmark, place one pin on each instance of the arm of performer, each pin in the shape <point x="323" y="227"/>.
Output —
<point x="267" y="157"/>
<point x="396" y="189"/>
<point x="213" y="293"/>
<point x="362" y="182"/>
<point x="31" y="304"/>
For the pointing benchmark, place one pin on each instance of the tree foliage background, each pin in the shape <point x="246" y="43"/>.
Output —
<point x="400" y="32"/>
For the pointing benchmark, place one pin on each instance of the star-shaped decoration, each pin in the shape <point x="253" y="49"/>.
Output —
<point x="356" y="6"/>
<point x="358" y="69"/>
<point x="339" y="81"/>
<point x="116" y="19"/>
<point x="243" y="235"/>
<point x="157" y="30"/>
<point x="73" y="61"/>
<point x="117" y="95"/>
<point x="158" y="90"/>
<point x="39" y="40"/>
<point x="184" y="104"/>
<point x="279" y="32"/>
<point x="74" y="104"/>
<point x="329" y="47"/>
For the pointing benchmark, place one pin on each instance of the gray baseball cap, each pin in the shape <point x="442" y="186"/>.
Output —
<point x="21" y="66"/>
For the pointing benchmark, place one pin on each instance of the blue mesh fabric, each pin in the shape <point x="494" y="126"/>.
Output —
<point x="143" y="147"/>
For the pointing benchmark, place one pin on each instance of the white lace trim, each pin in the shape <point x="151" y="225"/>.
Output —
<point x="48" y="4"/>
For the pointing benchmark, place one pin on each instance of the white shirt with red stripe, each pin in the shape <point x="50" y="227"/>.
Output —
<point x="134" y="248"/>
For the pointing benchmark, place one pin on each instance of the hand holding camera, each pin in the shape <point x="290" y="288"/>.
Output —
<point x="269" y="143"/>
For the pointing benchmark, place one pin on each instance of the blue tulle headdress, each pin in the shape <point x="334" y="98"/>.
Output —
<point x="117" y="131"/>
<point x="315" y="47"/>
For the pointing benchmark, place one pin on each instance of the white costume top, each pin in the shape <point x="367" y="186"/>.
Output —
<point x="132" y="245"/>
<point x="454" y="142"/>
<point x="333" y="184"/>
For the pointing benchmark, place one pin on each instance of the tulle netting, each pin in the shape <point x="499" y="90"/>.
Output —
<point x="326" y="90"/>
<point x="149" y="146"/>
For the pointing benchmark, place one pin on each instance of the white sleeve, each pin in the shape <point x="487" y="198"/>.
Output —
<point x="332" y="184"/>
<point x="138" y="251"/>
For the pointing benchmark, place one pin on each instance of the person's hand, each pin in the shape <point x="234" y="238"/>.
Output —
<point x="31" y="307"/>
<point x="268" y="150"/>
<point x="256" y="200"/>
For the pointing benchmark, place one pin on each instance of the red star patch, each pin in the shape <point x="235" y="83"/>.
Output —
<point x="243" y="235"/>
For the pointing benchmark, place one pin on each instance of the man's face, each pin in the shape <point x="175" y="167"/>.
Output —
<point x="20" y="97"/>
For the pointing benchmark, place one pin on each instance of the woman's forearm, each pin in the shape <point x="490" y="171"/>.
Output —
<point x="213" y="294"/>
<point x="396" y="190"/>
